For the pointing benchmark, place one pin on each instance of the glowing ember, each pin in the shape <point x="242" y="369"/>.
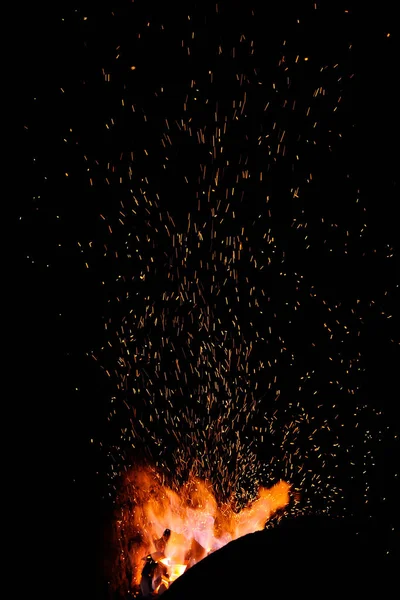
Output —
<point x="175" y="529"/>
<point x="174" y="570"/>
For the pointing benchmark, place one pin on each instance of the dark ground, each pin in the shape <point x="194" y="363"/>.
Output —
<point x="309" y="555"/>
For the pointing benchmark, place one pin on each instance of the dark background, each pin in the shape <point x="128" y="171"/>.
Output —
<point x="62" y="395"/>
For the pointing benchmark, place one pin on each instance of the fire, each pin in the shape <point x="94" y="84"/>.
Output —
<point x="174" y="570"/>
<point x="173" y="530"/>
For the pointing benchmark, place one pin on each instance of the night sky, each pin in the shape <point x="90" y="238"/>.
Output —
<point x="208" y="261"/>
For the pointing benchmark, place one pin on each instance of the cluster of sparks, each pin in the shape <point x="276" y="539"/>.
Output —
<point x="235" y="352"/>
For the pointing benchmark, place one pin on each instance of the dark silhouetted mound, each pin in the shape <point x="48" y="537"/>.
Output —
<point x="311" y="555"/>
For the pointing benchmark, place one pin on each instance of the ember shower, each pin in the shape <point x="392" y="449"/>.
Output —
<point x="232" y="357"/>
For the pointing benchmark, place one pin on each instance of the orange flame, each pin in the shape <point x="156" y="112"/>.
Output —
<point x="198" y="525"/>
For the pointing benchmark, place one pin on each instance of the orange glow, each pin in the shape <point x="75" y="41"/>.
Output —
<point x="198" y="525"/>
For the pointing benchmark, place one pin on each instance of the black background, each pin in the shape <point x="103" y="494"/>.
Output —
<point x="61" y="395"/>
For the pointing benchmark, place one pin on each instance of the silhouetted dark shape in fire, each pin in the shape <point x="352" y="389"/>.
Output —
<point x="312" y="555"/>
